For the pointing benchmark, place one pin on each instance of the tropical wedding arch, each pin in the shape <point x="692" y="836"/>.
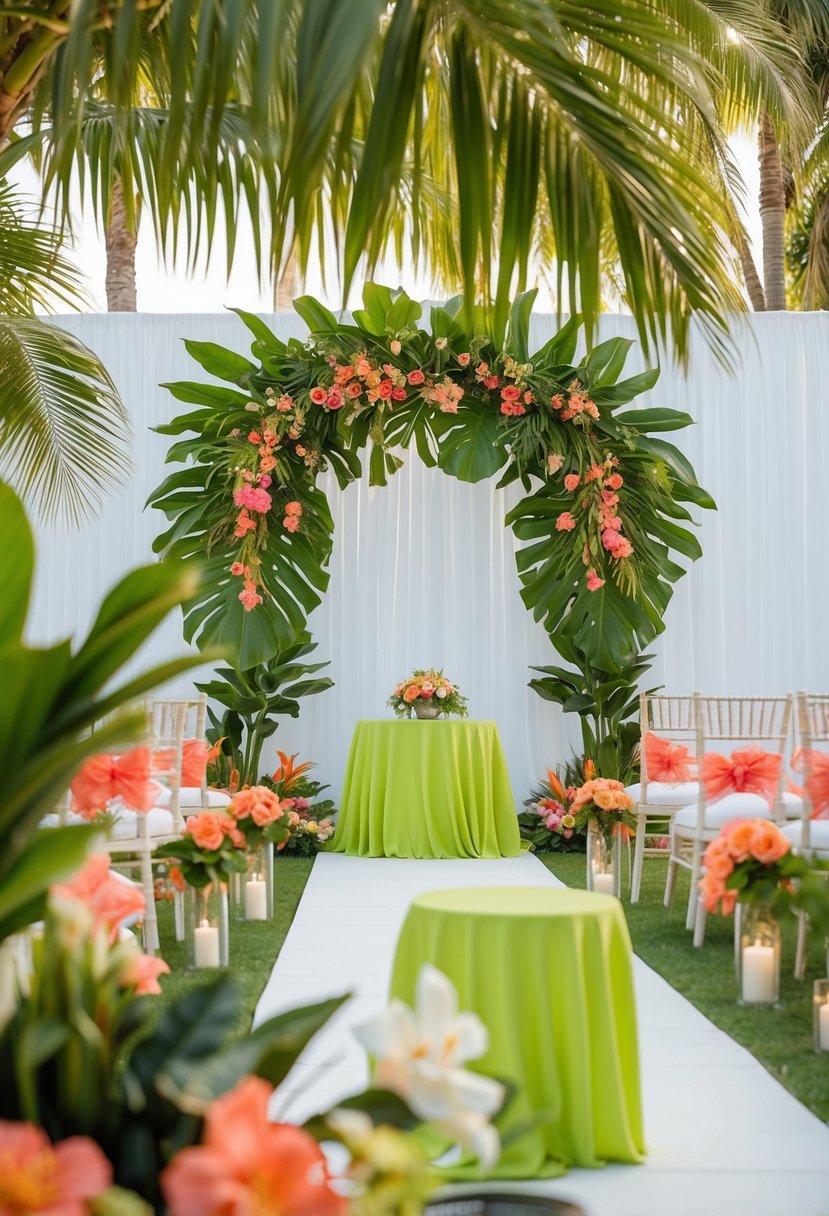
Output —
<point x="606" y="510"/>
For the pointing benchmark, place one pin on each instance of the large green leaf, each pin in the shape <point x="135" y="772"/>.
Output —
<point x="53" y="856"/>
<point x="474" y="449"/>
<point x="17" y="560"/>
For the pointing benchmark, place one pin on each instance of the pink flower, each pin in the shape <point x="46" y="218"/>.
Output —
<point x="318" y="395"/>
<point x="237" y="569"/>
<point x="416" y="376"/>
<point x="354" y="389"/>
<point x="612" y="522"/>
<point x="266" y="464"/>
<point x="398" y="394"/>
<point x="58" y="1180"/>
<point x="609" y="498"/>
<point x="265" y="481"/>
<point x="291" y="523"/>
<point x="254" y="437"/>
<point x="250" y="598"/>
<point x="142" y="972"/>
<point x="491" y="382"/>
<point x="255" y="499"/>
<point x="557" y="401"/>
<point x="572" y="482"/>
<point x="335" y="400"/>
<point x="293" y="508"/>
<point x="510" y="392"/>
<point x="593" y="581"/>
<point x="566" y="522"/>
<point x="623" y="547"/>
<point x="109" y="900"/>
<point x="395" y="347"/>
<point x="385" y="389"/>
<point x="615" y="481"/>
<point x="594" y="473"/>
<point x="247" y="1165"/>
<point x="554" y="462"/>
<point x="482" y="370"/>
<point x="567" y="833"/>
<point x="513" y="409"/>
<point x="285" y="404"/>
<point x="464" y="359"/>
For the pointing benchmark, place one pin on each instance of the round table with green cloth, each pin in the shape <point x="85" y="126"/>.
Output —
<point x="549" y="972"/>
<point x="426" y="789"/>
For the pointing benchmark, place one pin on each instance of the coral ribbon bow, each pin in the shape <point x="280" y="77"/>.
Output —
<point x="748" y="770"/>
<point x="667" y="762"/>
<point x="815" y="768"/>
<point x="105" y="777"/>
<point x="195" y="754"/>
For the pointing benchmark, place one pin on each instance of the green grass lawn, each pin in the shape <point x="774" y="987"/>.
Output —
<point x="781" y="1039"/>
<point x="254" y="945"/>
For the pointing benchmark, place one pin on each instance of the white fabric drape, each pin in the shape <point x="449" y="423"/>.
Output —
<point x="423" y="571"/>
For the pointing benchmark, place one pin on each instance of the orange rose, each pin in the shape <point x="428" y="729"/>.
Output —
<point x="411" y="694"/>
<point x="717" y="859"/>
<point x="604" y="799"/>
<point x="621" y="800"/>
<point x="228" y="826"/>
<point x="258" y="802"/>
<point x="206" y="830"/>
<point x="739" y="835"/>
<point x="768" y="844"/>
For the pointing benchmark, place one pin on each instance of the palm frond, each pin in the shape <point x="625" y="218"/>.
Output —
<point x="34" y="273"/>
<point x="63" y="428"/>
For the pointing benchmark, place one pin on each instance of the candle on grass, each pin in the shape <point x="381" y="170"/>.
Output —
<point x="206" y="943"/>
<point x="603" y="882"/>
<point x="759" y="975"/>
<point x="256" y="899"/>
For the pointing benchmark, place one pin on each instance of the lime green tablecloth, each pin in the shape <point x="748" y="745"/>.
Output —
<point x="550" y="974"/>
<point x="426" y="789"/>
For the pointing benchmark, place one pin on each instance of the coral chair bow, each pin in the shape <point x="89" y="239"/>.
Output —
<point x="667" y="762"/>
<point x="815" y="768"/>
<point x="105" y="777"/>
<point x="195" y="754"/>
<point x="748" y="770"/>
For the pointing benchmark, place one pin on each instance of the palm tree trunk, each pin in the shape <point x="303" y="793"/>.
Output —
<point x="773" y="216"/>
<point x="754" y="287"/>
<point x="120" y="247"/>
<point x="287" y="289"/>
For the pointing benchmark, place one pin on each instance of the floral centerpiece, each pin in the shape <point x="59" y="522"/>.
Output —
<point x="313" y="825"/>
<point x="548" y="821"/>
<point x="751" y="862"/>
<point x="429" y="694"/>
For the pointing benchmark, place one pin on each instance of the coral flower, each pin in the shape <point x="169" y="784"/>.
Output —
<point x="291" y="523"/>
<point x="615" y="481"/>
<point x="318" y="395"/>
<point x="254" y="437"/>
<point x="267" y="463"/>
<point x="176" y="878"/>
<point x="768" y="844"/>
<point x="554" y="462"/>
<point x="57" y="1180"/>
<point x="142" y="972"/>
<point x="110" y="900"/>
<point x="464" y="359"/>
<point x="335" y="400"/>
<point x="293" y="508"/>
<point x="593" y="581"/>
<point x="237" y="569"/>
<point x="491" y="382"/>
<point x="411" y="694"/>
<point x="572" y="482"/>
<point x="206" y="830"/>
<point x="566" y="522"/>
<point x="354" y="389"/>
<point x="395" y="346"/>
<point x="250" y="599"/>
<point x="416" y="376"/>
<point x="258" y="802"/>
<point x="247" y="1166"/>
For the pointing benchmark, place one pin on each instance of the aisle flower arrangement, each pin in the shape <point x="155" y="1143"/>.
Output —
<point x="313" y="825"/>
<point x="548" y="821"/>
<point x="602" y="804"/>
<point x="751" y="862"/>
<point x="430" y="687"/>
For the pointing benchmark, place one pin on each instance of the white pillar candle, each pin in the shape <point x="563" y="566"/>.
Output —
<point x="823" y="1026"/>
<point x="256" y="899"/>
<point x="603" y="882"/>
<point x="206" y="941"/>
<point x="758" y="974"/>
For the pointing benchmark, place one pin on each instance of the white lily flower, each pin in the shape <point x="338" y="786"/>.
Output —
<point x="419" y="1053"/>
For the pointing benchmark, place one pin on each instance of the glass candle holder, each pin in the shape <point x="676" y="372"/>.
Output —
<point x="256" y="887"/>
<point x="208" y="936"/>
<point x="820" y="1014"/>
<point x="604" y="861"/>
<point x="759" y="956"/>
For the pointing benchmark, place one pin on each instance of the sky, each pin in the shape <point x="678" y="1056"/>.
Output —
<point x="161" y="289"/>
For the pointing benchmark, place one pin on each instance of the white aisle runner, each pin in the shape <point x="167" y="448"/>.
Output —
<point x="724" y="1138"/>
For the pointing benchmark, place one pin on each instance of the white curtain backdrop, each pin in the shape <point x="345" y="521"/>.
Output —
<point x="423" y="571"/>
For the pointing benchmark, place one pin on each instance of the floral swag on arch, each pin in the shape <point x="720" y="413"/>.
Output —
<point x="605" y="508"/>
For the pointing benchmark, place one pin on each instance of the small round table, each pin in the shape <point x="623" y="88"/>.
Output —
<point x="426" y="789"/>
<point x="549" y="972"/>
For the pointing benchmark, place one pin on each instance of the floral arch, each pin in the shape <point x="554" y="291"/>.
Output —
<point x="606" y="505"/>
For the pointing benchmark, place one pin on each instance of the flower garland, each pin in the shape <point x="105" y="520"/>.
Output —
<point x="602" y="515"/>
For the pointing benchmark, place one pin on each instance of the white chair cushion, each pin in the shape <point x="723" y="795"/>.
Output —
<point x="127" y="827"/>
<point x="818" y="836"/>
<point x="732" y="806"/>
<point x="665" y="795"/>
<point x="190" y="796"/>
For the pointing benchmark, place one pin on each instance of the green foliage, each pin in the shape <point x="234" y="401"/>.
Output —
<point x="53" y="696"/>
<point x="607" y="705"/>
<point x="471" y="441"/>
<point x="252" y="698"/>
